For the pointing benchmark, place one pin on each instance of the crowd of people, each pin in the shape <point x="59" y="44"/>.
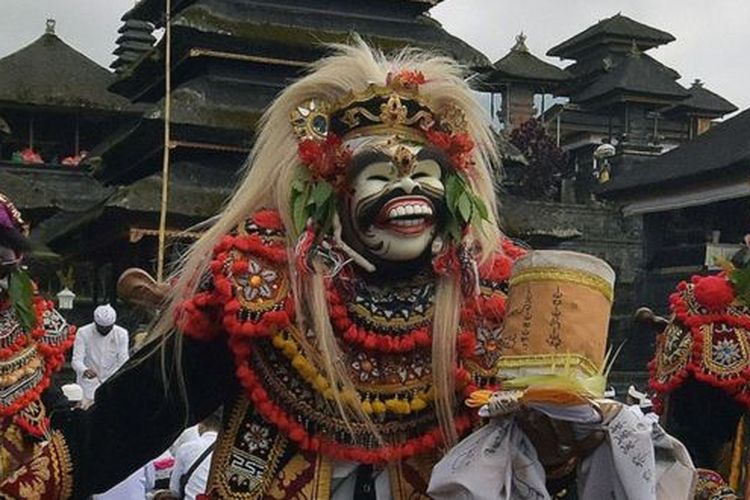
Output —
<point x="181" y="471"/>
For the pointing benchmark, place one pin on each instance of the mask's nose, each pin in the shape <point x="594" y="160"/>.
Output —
<point x="407" y="184"/>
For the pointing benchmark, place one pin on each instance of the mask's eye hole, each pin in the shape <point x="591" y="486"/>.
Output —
<point x="381" y="178"/>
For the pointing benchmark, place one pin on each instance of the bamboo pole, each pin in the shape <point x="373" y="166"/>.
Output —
<point x="167" y="140"/>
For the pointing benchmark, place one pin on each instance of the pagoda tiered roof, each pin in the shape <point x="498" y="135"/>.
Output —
<point x="703" y="102"/>
<point x="291" y="33"/>
<point x="715" y="154"/>
<point x="195" y="194"/>
<point x="232" y="57"/>
<point x="616" y="31"/>
<point x="50" y="73"/>
<point x="520" y="65"/>
<point x="632" y="78"/>
<point x="136" y="38"/>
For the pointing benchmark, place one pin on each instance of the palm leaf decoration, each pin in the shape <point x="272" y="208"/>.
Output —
<point x="21" y="292"/>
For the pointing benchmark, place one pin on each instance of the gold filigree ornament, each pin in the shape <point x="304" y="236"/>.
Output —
<point x="393" y="112"/>
<point x="453" y="120"/>
<point x="404" y="160"/>
<point x="310" y="119"/>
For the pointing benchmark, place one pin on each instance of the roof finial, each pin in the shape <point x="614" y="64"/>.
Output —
<point x="697" y="84"/>
<point x="50" y="28"/>
<point x="634" y="50"/>
<point x="520" y="45"/>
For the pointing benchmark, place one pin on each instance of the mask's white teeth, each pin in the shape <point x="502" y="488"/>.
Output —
<point x="409" y="209"/>
<point x="393" y="213"/>
<point x="401" y="211"/>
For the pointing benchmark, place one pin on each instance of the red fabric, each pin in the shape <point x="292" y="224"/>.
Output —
<point x="53" y="358"/>
<point x="703" y="303"/>
<point x="221" y="304"/>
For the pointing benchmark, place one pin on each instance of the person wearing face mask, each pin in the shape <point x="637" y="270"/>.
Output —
<point x="343" y="306"/>
<point x="100" y="349"/>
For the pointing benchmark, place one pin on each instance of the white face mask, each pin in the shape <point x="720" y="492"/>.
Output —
<point x="404" y="227"/>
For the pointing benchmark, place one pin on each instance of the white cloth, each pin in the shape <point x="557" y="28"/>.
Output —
<point x="72" y="392"/>
<point x="186" y="436"/>
<point x="497" y="462"/>
<point x="186" y="455"/>
<point x="134" y="487"/>
<point x="105" y="315"/>
<point x="636" y="461"/>
<point x="104" y="354"/>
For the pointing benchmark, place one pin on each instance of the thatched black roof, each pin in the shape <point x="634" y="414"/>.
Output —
<point x="152" y="10"/>
<point x="45" y="188"/>
<point x="617" y="29"/>
<point x="50" y="73"/>
<point x="724" y="147"/>
<point x="195" y="194"/>
<point x="296" y="26"/>
<point x="520" y="65"/>
<point x="297" y="31"/>
<point x="633" y="75"/>
<point x="703" y="102"/>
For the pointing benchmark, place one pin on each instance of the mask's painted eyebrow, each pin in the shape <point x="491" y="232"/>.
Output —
<point x="367" y="157"/>
<point x="432" y="153"/>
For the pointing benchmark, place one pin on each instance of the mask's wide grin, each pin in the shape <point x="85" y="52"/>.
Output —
<point x="407" y="215"/>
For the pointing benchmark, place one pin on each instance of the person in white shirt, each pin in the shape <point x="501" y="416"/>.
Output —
<point x="100" y="349"/>
<point x="135" y="487"/>
<point x="192" y="455"/>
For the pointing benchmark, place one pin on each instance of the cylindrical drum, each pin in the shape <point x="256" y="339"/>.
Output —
<point x="557" y="314"/>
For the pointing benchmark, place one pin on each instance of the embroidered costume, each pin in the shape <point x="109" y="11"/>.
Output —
<point x="347" y="301"/>
<point x="33" y="340"/>
<point x="701" y="371"/>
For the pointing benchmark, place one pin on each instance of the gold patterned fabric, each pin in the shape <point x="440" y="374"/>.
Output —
<point x="47" y="476"/>
<point x="711" y="345"/>
<point x="283" y="435"/>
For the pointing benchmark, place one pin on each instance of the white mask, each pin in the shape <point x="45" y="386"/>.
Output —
<point x="405" y="191"/>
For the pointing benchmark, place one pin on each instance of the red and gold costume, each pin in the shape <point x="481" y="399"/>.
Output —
<point x="365" y="225"/>
<point x="33" y="340"/>
<point x="282" y="433"/>
<point x="701" y="373"/>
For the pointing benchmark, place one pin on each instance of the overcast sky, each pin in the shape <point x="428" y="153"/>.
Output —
<point x="713" y="36"/>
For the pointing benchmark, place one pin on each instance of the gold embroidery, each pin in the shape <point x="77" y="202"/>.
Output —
<point x="225" y="466"/>
<point x="544" y="360"/>
<point x="568" y="275"/>
<point x="288" y="474"/>
<point x="36" y="486"/>
<point x="63" y="464"/>
<point x="726" y="357"/>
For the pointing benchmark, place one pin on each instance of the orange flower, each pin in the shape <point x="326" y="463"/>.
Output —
<point x="411" y="78"/>
<point x="458" y="147"/>
<point x="326" y="159"/>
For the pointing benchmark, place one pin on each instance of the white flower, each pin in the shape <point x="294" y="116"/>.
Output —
<point x="726" y="352"/>
<point x="256" y="438"/>
<point x="258" y="282"/>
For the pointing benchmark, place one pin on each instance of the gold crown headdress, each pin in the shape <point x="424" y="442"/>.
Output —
<point x="395" y="108"/>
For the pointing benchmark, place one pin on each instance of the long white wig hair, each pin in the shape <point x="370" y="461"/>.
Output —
<point x="273" y="165"/>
